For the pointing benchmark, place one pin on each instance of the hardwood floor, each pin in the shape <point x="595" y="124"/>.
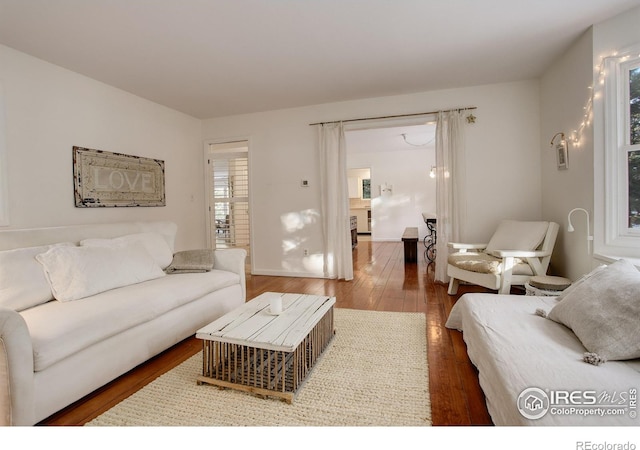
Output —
<point x="381" y="282"/>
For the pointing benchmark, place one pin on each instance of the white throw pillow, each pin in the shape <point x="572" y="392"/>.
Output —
<point x="78" y="272"/>
<point x="603" y="311"/>
<point x="154" y="243"/>
<point x="22" y="280"/>
<point x="579" y="281"/>
<point x="517" y="235"/>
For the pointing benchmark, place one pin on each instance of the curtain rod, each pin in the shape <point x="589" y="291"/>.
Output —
<point x="396" y="116"/>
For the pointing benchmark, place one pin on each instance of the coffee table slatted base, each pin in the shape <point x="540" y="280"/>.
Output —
<point x="264" y="372"/>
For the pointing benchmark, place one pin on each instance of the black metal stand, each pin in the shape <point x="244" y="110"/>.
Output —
<point x="430" y="241"/>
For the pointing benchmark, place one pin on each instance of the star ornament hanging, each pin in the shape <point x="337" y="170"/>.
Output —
<point x="471" y="118"/>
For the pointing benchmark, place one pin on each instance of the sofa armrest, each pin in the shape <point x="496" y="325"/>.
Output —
<point x="519" y="253"/>
<point x="233" y="260"/>
<point x="16" y="370"/>
<point x="464" y="247"/>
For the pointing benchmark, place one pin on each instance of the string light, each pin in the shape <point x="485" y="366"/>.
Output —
<point x="576" y="137"/>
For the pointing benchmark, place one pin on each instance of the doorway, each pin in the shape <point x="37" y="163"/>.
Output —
<point x="359" y="183"/>
<point x="227" y="183"/>
<point x="399" y="159"/>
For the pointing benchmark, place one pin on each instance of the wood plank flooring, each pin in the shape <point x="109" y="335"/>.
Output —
<point x="382" y="282"/>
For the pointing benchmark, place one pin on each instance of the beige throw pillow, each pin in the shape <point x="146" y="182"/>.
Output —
<point x="517" y="235"/>
<point x="604" y="313"/>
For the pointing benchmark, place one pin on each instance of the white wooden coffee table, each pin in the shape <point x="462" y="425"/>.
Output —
<point x="255" y="351"/>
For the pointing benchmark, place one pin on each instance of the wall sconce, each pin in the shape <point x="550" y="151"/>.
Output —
<point x="562" y="154"/>
<point x="385" y="189"/>
<point x="432" y="172"/>
<point x="570" y="228"/>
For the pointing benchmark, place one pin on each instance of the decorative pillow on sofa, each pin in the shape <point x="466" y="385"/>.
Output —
<point x="604" y="313"/>
<point x="78" y="272"/>
<point x="189" y="261"/>
<point x="22" y="281"/>
<point x="154" y="243"/>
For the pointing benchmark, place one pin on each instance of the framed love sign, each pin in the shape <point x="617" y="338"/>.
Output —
<point x="106" y="179"/>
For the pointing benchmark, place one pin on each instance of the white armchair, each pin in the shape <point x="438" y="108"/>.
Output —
<point x="517" y="251"/>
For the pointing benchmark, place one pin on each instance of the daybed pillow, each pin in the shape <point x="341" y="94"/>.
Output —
<point x="604" y="313"/>
<point x="22" y="281"/>
<point x="579" y="281"/>
<point x="517" y="235"/>
<point x="154" y="243"/>
<point x="78" y="272"/>
<point x="189" y="261"/>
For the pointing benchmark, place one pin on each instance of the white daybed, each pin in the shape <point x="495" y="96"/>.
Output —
<point x="513" y="349"/>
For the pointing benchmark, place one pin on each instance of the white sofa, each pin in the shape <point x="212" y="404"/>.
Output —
<point x="54" y="352"/>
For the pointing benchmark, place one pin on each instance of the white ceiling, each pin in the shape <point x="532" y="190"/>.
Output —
<point x="212" y="58"/>
<point x="390" y="139"/>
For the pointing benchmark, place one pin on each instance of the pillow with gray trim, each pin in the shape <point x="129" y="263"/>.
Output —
<point x="192" y="261"/>
<point x="604" y="313"/>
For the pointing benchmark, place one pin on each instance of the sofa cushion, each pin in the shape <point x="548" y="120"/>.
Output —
<point x="59" y="329"/>
<point x="78" y="272"/>
<point x="22" y="281"/>
<point x="153" y="242"/>
<point x="603" y="312"/>
<point x="517" y="235"/>
<point x="483" y="263"/>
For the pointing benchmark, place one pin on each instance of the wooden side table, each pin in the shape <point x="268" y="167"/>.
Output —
<point x="546" y="286"/>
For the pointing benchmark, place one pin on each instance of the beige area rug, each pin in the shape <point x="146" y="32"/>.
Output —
<point x="374" y="373"/>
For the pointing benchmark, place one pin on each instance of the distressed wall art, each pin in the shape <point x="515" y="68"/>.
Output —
<point x="105" y="179"/>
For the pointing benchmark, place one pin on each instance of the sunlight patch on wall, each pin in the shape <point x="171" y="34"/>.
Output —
<point x="296" y="221"/>
<point x="297" y="256"/>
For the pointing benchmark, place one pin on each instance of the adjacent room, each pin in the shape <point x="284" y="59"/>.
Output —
<point x="375" y="217"/>
<point x="391" y="178"/>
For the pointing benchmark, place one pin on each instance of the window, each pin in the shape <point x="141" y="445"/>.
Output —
<point x="366" y="188"/>
<point x="634" y="145"/>
<point x="622" y="154"/>
<point x="228" y="194"/>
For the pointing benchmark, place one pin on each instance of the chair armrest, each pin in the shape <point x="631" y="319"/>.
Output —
<point x="232" y="260"/>
<point x="519" y="253"/>
<point x="461" y="246"/>
<point x="16" y="370"/>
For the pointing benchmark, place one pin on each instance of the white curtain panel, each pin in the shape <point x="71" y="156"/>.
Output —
<point x="338" y="259"/>
<point x="450" y="186"/>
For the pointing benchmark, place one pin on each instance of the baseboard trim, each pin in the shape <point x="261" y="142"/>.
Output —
<point x="279" y="273"/>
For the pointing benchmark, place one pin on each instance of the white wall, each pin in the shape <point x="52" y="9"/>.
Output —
<point x="407" y="171"/>
<point x="503" y="165"/>
<point x="565" y="92"/>
<point x="50" y="109"/>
